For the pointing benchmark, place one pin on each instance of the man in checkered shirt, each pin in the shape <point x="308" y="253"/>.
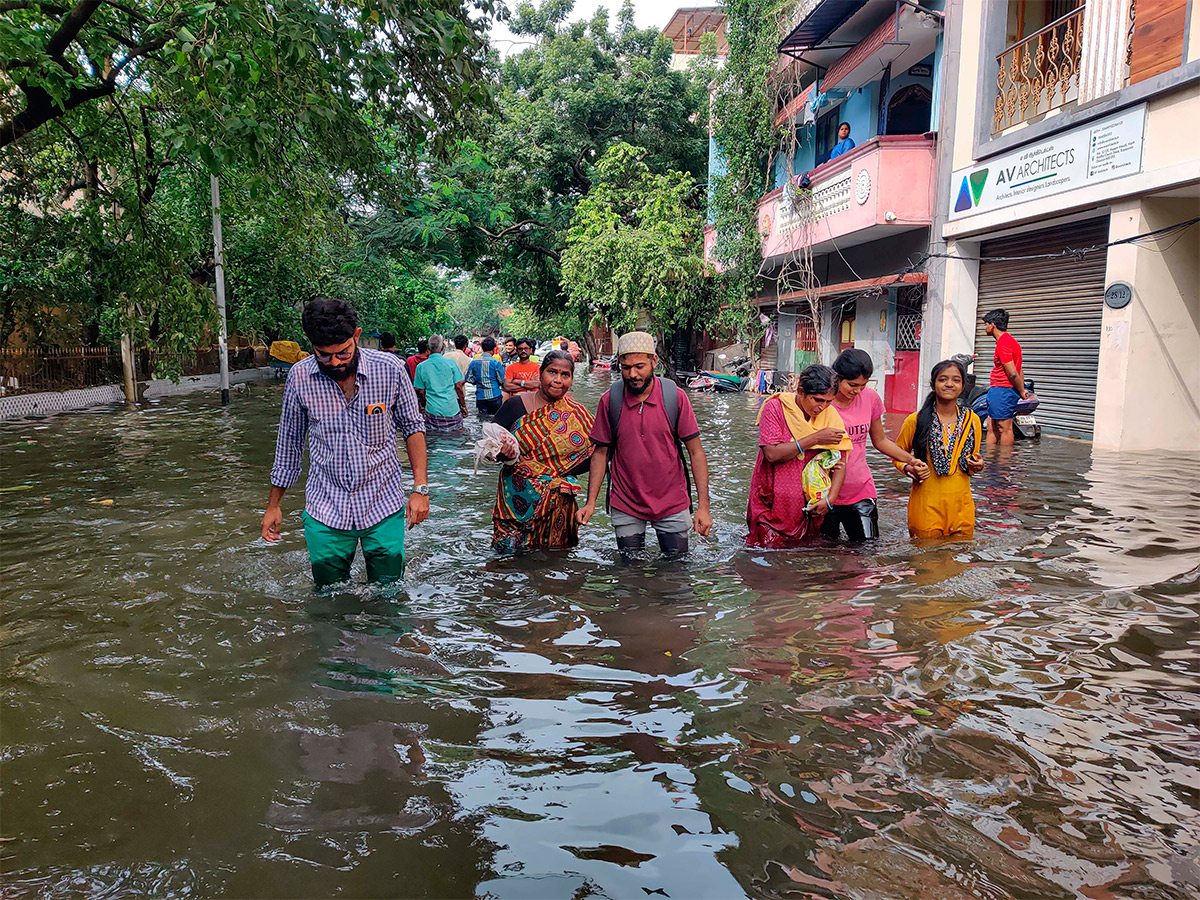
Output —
<point x="349" y="402"/>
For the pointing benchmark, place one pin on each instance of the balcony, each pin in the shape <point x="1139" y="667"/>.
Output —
<point x="1039" y="73"/>
<point x="882" y="187"/>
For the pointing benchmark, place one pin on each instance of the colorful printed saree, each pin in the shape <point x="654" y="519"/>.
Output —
<point x="535" y="502"/>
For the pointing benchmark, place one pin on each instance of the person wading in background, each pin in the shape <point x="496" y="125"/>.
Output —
<point x="1007" y="384"/>
<point x="458" y="355"/>
<point x="487" y="374"/>
<point x="525" y="373"/>
<point x="387" y="342"/>
<point x="641" y="428"/>
<point x="348" y="402"/>
<point x="417" y="358"/>
<point x="439" y="387"/>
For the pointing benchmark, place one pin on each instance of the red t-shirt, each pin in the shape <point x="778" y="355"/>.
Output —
<point x="1007" y="350"/>
<point x="647" y="474"/>
<point x="523" y="371"/>
<point x="412" y="362"/>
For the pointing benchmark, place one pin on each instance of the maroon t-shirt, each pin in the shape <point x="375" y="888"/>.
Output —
<point x="648" y="481"/>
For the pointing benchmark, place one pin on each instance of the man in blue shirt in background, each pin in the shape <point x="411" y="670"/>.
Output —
<point x="487" y="374"/>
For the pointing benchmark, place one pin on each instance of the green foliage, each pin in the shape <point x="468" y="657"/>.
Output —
<point x="744" y="131"/>
<point x="636" y="246"/>
<point x="475" y="307"/>
<point x="112" y="115"/>
<point x="503" y="206"/>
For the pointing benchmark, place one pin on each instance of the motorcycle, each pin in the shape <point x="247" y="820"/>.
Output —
<point x="716" y="381"/>
<point x="974" y="397"/>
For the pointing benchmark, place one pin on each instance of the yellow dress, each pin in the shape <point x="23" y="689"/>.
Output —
<point x="942" y="506"/>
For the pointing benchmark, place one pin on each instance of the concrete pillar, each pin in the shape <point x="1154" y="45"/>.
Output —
<point x="1148" y="386"/>
<point x="957" y="307"/>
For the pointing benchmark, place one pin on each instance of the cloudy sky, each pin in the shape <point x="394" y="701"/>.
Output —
<point x="648" y="13"/>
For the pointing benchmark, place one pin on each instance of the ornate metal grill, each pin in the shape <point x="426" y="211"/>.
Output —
<point x="1038" y="73"/>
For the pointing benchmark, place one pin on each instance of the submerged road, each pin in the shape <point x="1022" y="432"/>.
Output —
<point x="182" y="715"/>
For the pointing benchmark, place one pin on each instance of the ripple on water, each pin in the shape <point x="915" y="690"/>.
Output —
<point x="1009" y="717"/>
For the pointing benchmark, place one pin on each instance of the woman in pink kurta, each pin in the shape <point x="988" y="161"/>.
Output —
<point x="778" y="513"/>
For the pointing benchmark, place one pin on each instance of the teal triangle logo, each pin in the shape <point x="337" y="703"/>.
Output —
<point x="978" y="180"/>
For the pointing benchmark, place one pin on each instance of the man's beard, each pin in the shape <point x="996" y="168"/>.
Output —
<point x="340" y="373"/>
<point x="636" y="389"/>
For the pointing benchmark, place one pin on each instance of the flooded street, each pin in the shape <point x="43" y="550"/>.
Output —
<point x="182" y="715"/>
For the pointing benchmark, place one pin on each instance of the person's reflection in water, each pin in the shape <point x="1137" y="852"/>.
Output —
<point x="358" y="769"/>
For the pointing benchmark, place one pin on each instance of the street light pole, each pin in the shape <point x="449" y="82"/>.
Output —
<point x="219" y="260"/>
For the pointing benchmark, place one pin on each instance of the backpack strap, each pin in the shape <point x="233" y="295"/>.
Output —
<point x="670" y="395"/>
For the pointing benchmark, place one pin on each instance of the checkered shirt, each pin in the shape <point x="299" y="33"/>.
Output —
<point x="353" y="468"/>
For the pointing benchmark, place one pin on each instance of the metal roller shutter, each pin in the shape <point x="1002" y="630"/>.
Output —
<point x="1055" y="309"/>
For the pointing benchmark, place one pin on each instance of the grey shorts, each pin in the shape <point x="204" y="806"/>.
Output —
<point x="627" y="525"/>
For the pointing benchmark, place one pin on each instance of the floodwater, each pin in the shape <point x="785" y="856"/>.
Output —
<point x="183" y="716"/>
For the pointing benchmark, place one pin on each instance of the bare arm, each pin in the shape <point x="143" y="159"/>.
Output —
<point x="418" y="505"/>
<point x="1017" y="378"/>
<point x="460" y="388"/>
<point x="885" y="445"/>
<point x="596" y="470"/>
<point x="699" y="463"/>
<point x="837" y="478"/>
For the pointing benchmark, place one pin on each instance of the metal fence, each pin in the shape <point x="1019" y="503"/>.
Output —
<point x="57" y="368"/>
<point x="28" y="370"/>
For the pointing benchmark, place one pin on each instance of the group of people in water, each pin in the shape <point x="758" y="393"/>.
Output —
<point x="811" y="480"/>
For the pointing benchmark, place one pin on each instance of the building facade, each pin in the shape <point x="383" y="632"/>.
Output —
<point x="1067" y="173"/>
<point x="845" y="228"/>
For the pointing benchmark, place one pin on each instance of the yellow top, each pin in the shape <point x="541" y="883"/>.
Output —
<point x="942" y="505"/>
<point x="801" y="426"/>
<point x="287" y="351"/>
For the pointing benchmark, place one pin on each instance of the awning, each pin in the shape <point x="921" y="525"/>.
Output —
<point x="851" y="287"/>
<point x="824" y="18"/>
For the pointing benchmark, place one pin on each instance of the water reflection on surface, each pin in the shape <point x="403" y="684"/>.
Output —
<point x="1013" y="717"/>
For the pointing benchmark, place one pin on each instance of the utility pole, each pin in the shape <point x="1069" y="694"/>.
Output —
<point x="219" y="261"/>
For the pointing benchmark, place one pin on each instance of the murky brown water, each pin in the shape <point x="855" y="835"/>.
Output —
<point x="183" y="716"/>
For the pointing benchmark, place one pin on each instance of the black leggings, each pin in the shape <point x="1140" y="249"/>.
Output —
<point x="861" y="521"/>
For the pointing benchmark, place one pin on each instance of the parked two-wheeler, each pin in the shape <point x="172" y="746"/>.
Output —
<point x="974" y="397"/>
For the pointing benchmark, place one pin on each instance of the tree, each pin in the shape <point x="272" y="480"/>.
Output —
<point x="114" y="112"/>
<point x="636" y="246"/>
<point x="503" y="206"/>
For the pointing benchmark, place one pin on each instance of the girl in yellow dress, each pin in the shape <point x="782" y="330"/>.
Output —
<point x="947" y="437"/>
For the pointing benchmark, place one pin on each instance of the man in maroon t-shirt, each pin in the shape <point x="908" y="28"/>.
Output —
<point x="1007" y="384"/>
<point x="648" y="482"/>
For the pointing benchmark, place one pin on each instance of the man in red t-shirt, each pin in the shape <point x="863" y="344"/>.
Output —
<point x="417" y="358"/>
<point x="1007" y="384"/>
<point x="524" y="374"/>
<point x="648" y="481"/>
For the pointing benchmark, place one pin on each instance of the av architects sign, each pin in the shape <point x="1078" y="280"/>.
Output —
<point x="1099" y="151"/>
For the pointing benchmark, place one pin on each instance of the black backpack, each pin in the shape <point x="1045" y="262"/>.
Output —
<point x="616" y="403"/>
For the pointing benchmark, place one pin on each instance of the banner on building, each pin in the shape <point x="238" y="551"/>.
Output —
<point x="1099" y="151"/>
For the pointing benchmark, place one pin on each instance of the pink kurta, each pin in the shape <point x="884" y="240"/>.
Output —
<point x="775" y="514"/>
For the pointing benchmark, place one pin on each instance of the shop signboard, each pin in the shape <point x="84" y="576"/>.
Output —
<point x="1100" y="151"/>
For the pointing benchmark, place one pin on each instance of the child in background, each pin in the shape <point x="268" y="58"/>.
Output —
<point x="948" y="438"/>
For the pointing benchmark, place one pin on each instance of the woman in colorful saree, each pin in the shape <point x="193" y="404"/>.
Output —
<point x="535" y="503"/>
<point x="793" y="430"/>
<point x="948" y="437"/>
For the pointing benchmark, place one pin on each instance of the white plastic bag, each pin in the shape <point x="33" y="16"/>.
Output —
<point x="496" y="442"/>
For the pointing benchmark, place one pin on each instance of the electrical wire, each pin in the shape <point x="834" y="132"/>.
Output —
<point x="1068" y="252"/>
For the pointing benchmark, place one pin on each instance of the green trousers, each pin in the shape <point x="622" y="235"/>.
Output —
<point x="331" y="550"/>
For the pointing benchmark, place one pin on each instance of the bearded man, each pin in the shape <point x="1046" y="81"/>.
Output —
<point x="349" y="402"/>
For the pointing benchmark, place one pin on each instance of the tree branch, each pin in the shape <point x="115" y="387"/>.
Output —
<point x="503" y="233"/>
<point x="70" y="27"/>
<point x="524" y="243"/>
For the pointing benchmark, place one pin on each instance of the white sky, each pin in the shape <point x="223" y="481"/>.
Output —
<point x="647" y="13"/>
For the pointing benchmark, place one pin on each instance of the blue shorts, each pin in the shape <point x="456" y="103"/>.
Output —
<point x="1002" y="403"/>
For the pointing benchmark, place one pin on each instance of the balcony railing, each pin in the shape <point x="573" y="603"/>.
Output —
<point x="1039" y="72"/>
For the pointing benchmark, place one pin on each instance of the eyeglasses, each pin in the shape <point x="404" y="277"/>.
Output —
<point x="341" y="355"/>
